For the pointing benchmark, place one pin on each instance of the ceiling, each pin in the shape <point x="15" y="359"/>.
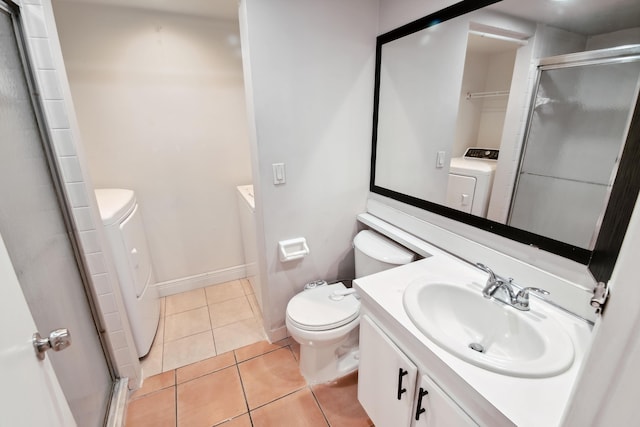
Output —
<point x="220" y="9"/>
<point x="587" y="17"/>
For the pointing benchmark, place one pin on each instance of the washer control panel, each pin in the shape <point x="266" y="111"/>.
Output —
<point x="482" y="153"/>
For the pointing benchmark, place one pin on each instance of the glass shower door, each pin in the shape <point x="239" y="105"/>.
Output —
<point x="580" y="119"/>
<point x="36" y="234"/>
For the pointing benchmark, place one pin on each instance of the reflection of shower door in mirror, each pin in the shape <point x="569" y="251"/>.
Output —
<point x="36" y="235"/>
<point x="580" y="119"/>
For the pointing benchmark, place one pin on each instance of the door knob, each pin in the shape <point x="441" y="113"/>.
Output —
<point x="58" y="339"/>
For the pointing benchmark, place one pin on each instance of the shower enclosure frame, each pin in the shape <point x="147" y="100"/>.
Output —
<point x="118" y="389"/>
<point x="613" y="55"/>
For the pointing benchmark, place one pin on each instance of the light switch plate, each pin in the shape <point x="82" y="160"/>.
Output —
<point x="440" y="159"/>
<point x="279" y="176"/>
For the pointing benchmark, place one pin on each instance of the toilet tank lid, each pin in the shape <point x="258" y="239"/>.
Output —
<point x="114" y="204"/>
<point x="378" y="247"/>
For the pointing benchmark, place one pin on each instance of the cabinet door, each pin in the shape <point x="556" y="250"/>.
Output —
<point x="460" y="192"/>
<point x="434" y="408"/>
<point x="386" y="379"/>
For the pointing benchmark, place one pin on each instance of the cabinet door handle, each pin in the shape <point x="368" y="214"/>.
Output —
<point x="401" y="373"/>
<point x="419" y="408"/>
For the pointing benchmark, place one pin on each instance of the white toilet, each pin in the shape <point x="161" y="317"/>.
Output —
<point x="324" y="320"/>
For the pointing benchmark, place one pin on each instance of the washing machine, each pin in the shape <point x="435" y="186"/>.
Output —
<point x="471" y="179"/>
<point x="125" y="232"/>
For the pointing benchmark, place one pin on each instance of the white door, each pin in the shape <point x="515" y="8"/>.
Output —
<point x="30" y="394"/>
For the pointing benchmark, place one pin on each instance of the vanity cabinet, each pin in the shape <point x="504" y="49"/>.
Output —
<point x="394" y="392"/>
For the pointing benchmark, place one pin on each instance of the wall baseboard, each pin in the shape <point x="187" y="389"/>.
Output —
<point x="278" y="334"/>
<point x="189" y="283"/>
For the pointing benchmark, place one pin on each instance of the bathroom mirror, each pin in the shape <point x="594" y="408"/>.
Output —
<point x="540" y="96"/>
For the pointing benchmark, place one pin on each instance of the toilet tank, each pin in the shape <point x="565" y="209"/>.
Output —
<point x="375" y="253"/>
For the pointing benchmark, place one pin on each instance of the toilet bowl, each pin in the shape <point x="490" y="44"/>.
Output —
<point x="324" y="320"/>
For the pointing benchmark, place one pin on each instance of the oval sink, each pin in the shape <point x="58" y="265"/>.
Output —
<point x="488" y="333"/>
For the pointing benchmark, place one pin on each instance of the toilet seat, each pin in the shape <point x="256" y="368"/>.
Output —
<point x="315" y="310"/>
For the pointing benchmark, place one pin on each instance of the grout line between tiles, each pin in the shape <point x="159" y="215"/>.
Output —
<point x="278" y="398"/>
<point x="175" y="393"/>
<point x="319" y="405"/>
<point x="231" y="419"/>
<point x="244" y="393"/>
<point x="190" y="335"/>
<point x="213" y="334"/>
<point x="262" y="354"/>
<point x="164" y="328"/>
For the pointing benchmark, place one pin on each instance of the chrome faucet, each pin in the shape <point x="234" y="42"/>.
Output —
<point x="508" y="295"/>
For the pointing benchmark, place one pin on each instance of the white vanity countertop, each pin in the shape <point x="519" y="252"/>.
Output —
<point x="525" y="401"/>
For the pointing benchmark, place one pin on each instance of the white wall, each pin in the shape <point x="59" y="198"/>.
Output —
<point x="160" y="103"/>
<point x="469" y="111"/>
<point x="616" y="38"/>
<point x="418" y="109"/>
<point x="499" y="76"/>
<point x="480" y="121"/>
<point x="309" y="68"/>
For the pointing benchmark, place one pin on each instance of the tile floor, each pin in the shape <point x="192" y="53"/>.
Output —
<point x="257" y="385"/>
<point x="203" y="323"/>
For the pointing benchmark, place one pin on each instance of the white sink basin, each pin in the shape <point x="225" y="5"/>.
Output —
<point x="507" y="341"/>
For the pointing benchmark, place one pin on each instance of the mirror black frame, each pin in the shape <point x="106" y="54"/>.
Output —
<point x="624" y="193"/>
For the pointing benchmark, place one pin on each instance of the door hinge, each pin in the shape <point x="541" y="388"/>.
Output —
<point x="600" y="297"/>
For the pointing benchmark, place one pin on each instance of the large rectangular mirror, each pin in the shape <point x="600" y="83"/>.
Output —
<point x="514" y="117"/>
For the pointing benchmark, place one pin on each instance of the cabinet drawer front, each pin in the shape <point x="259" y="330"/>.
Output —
<point x="386" y="379"/>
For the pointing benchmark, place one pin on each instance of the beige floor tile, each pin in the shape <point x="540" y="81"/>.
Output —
<point x="230" y="311"/>
<point x="292" y="344"/>
<point x="185" y="301"/>
<point x="224" y="291"/>
<point x="256" y="349"/>
<point x="238" y="334"/>
<point x="297" y="409"/>
<point x="186" y="351"/>
<point x="153" y="410"/>
<point x="246" y="286"/>
<point x="204" y="367"/>
<point x="155" y="383"/>
<point x="270" y="376"/>
<point x="163" y="306"/>
<point x="152" y="362"/>
<point x="339" y="402"/>
<point x="211" y="399"/>
<point x="186" y="323"/>
<point x="241" y="421"/>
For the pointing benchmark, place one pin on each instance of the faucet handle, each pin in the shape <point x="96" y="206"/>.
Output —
<point x="492" y="275"/>
<point x="522" y="299"/>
